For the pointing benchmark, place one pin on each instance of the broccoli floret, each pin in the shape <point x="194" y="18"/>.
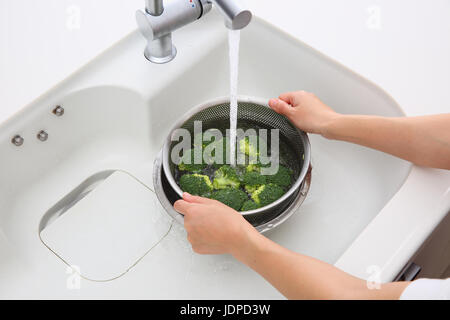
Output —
<point x="256" y="167"/>
<point x="253" y="180"/>
<point x="282" y="178"/>
<point x="249" y="205"/>
<point x="188" y="163"/>
<point x="249" y="146"/>
<point x="251" y="189"/>
<point x="266" y="194"/>
<point x="253" y="167"/>
<point x="196" y="184"/>
<point x="226" y="177"/>
<point x="233" y="198"/>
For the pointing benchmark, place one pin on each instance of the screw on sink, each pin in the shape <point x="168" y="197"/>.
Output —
<point x="58" y="111"/>
<point x="42" y="135"/>
<point x="17" y="140"/>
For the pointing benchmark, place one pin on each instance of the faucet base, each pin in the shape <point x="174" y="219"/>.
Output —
<point x="161" y="50"/>
<point x="160" y="60"/>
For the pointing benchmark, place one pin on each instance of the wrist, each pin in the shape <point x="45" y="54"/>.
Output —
<point x="247" y="244"/>
<point x="330" y="128"/>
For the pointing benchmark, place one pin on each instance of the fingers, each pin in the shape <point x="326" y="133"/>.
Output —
<point x="288" y="97"/>
<point x="195" y="199"/>
<point x="280" y="106"/>
<point x="293" y="98"/>
<point x="183" y="207"/>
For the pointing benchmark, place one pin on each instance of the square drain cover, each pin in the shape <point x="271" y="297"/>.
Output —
<point x="105" y="230"/>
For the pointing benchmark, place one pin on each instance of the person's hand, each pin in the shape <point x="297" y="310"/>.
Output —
<point x="305" y="111"/>
<point x="212" y="227"/>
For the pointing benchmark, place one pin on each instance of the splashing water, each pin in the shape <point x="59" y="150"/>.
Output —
<point x="234" y="37"/>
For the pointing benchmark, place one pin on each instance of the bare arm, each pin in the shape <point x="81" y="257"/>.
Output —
<point x="298" y="276"/>
<point x="424" y="141"/>
<point x="214" y="228"/>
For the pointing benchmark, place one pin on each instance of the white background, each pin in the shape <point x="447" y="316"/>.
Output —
<point x="405" y="48"/>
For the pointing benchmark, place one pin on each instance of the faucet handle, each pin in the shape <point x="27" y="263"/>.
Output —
<point x="158" y="21"/>
<point x="236" y="16"/>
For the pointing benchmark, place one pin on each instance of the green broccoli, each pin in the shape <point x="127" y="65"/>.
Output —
<point x="233" y="198"/>
<point x="249" y="146"/>
<point x="226" y="177"/>
<point x="196" y="184"/>
<point x="249" y="205"/>
<point x="253" y="180"/>
<point x="251" y="189"/>
<point x="253" y="167"/>
<point x="256" y="167"/>
<point x="266" y="194"/>
<point x="282" y="178"/>
<point x="188" y="163"/>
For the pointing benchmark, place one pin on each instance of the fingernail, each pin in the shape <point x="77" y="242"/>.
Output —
<point x="186" y="194"/>
<point x="273" y="102"/>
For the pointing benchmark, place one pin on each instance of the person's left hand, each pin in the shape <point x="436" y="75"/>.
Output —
<point x="212" y="227"/>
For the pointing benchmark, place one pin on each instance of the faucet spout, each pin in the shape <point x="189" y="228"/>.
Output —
<point x="236" y="16"/>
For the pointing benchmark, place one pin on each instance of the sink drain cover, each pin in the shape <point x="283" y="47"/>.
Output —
<point x="104" y="228"/>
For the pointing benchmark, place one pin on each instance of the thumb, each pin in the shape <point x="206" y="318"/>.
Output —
<point x="194" y="199"/>
<point x="281" y="107"/>
<point x="183" y="206"/>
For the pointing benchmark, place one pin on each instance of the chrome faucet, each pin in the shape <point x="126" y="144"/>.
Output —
<point x="158" y="21"/>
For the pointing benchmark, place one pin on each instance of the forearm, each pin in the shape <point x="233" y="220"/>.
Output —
<point x="424" y="140"/>
<point x="300" y="277"/>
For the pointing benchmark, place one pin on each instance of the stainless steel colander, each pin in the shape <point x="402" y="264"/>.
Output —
<point x="252" y="113"/>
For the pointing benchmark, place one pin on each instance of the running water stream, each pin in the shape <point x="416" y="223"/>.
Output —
<point x="234" y="37"/>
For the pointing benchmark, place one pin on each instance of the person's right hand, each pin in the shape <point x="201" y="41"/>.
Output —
<point x="212" y="227"/>
<point x="305" y="111"/>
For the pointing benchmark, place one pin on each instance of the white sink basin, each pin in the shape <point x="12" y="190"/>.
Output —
<point x="118" y="110"/>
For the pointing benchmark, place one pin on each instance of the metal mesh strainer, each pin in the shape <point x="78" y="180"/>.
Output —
<point x="252" y="113"/>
